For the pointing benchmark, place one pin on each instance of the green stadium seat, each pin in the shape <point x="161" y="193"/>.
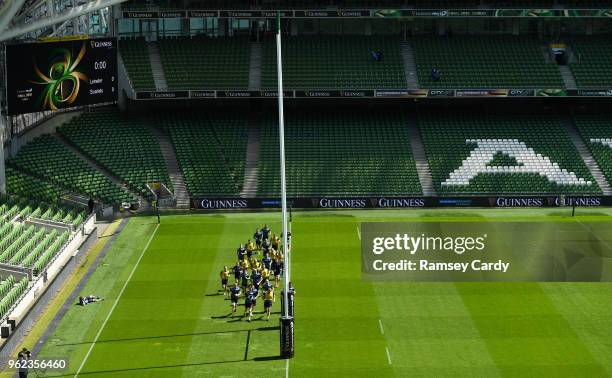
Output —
<point x="340" y="154"/>
<point x="484" y="62"/>
<point x="121" y="144"/>
<point x="335" y="62"/>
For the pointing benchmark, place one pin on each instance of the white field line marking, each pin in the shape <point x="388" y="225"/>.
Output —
<point x="287" y="368"/>
<point x="358" y="233"/>
<point x="388" y="355"/>
<point x="382" y="330"/>
<point x="116" y="301"/>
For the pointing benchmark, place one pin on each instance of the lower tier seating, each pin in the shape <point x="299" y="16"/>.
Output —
<point x="211" y="150"/>
<point x="47" y="158"/>
<point x="10" y="291"/>
<point x="19" y="183"/>
<point x="339" y="153"/>
<point x="122" y="144"/>
<point x="477" y="154"/>
<point x="596" y="131"/>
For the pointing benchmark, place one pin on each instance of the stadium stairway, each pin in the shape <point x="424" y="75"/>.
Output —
<point x="251" y="172"/>
<point x="156" y="67"/>
<point x="255" y="66"/>
<point x="409" y="65"/>
<point x="144" y="205"/>
<point x="420" y="159"/>
<point x="568" y="78"/>
<point x="587" y="157"/>
<point x="174" y="169"/>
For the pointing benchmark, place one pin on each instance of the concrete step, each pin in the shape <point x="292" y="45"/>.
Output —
<point x="159" y="76"/>
<point x="420" y="159"/>
<point x="255" y="66"/>
<point x="174" y="171"/>
<point x="568" y="78"/>
<point x="412" y="79"/>
<point x="587" y="157"/>
<point x="251" y="170"/>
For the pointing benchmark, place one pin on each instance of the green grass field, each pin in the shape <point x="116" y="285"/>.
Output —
<point x="170" y="321"/>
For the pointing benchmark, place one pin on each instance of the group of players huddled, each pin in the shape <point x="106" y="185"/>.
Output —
<point x="253" y="276"/>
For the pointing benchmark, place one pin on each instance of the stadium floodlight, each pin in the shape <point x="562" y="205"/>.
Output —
<point x="286" y="334"/>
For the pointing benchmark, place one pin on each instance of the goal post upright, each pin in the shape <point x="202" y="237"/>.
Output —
<point x="286" y="321"/>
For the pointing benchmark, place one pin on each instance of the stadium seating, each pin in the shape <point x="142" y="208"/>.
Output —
<point x="211" y="150"/>
<point x="466" y="155"/>
<point x="205" y="63"/>
<point x="340" y="153"/>
<point x="10" y="207"/>
<point x="29" y="245"/>
<point x="596" y="131"/>
<point x="10" y="291"/>
<point x="64" y="215"/>
<point x="484" y="62"/>
<point x="15" y="206"/>
<point x="593" y="65"/>
<point x="335" y="62"/>
<point x="135" y="55"/>
<point x="19" y="183"/>
<point x="121" y="144"/>
<point x="47" y="158"/>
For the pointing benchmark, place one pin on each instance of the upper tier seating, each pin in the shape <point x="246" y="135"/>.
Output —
<point x="484" y="62"/>
<point x="339" y="153"/>
<point x="121" y="144"/>
<point x="596" y="131"/>
<point x="593" y="67"/>
<point x="47" y="158"/>
<point x="205" y="63"/>
<point x="211" y="150"/>
<point x="335" y="62"/>
<point x="476" y="154"/>
<point x="135" y="55"/>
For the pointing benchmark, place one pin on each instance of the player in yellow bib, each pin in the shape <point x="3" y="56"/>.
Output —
<point x="269" y="298"/>
<point x="225" y="273"/>
<point x="250" y="247"/>
<point x="256" y="264"/>
<point x="265" y="274"/>
<point x="244" y="264"/>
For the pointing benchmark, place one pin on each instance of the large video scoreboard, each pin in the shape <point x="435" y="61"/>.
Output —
<point x="57" y="75"/>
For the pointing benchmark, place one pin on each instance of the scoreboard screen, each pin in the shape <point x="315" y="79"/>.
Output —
<point x="58" y="75"/>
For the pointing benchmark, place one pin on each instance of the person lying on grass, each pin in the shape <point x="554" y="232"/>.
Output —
<point x="89" y="299"/>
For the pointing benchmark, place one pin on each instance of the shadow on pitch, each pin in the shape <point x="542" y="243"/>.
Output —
<point x="158" y="337"/>
<point x="268" y="358"/>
